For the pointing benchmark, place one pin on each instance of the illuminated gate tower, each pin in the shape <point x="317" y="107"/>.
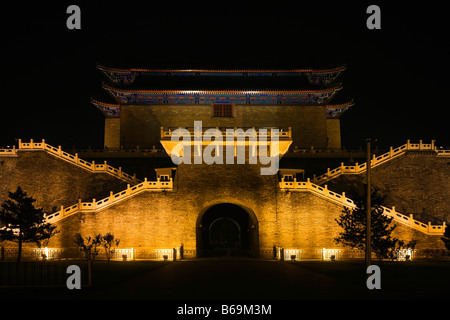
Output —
<point x="148" y="101"/>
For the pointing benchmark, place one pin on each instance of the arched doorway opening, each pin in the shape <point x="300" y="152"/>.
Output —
<point x="227" y="229"/>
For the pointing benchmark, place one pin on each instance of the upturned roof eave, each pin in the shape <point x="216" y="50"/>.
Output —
<point x="336" y="87"/>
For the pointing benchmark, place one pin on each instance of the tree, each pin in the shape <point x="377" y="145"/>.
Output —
<point x="446" y="238"/>
<point x="403" y="250"/>
<point x="88" y="245"/>
<point x="23" y="222"/>
<point x="107" y="242"/>
<point x="353" y="223"/>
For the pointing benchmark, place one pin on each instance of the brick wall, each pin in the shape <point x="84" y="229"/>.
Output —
<point x="334" y="133"/>
<point x="7" y="168"/>
<point x="112" y="133"/>
<point x="424" y="241"/>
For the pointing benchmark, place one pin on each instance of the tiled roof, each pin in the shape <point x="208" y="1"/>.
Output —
<point x="213" y="91"/>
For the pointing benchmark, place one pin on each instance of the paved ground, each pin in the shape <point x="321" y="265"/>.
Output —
<point x="254" y="279"/>
<point x="225" y="279"/>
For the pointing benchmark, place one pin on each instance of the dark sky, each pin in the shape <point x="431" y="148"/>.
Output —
<point x="398" y="76"/>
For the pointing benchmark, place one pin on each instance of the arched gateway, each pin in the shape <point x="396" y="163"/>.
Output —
<point x="227" y="229"/>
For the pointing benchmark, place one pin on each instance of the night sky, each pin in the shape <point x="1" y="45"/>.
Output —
<point x="398" y="76"/>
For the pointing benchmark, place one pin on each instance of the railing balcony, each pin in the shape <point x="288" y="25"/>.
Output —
<point x="281" y="133"/>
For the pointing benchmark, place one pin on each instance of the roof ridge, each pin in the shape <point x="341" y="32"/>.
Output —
<point x="272" y="69"/>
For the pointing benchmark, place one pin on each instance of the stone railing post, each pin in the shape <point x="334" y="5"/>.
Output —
<point x="408" y="144"/>
<point x="411" y="220"/>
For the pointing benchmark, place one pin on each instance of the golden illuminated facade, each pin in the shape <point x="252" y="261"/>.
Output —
<point x="215" y="194"/>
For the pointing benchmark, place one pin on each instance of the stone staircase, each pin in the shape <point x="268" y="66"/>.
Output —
<point x="341" y="199"/>
<point x="379" y="160"/>
<point x="73" y="159"/>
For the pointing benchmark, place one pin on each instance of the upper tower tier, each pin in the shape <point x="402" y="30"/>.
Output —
<point x="209" y="86"/>
<point x="147" y="99"/>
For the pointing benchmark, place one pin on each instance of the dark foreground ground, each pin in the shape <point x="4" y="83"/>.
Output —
<point x="224" y="279"/>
